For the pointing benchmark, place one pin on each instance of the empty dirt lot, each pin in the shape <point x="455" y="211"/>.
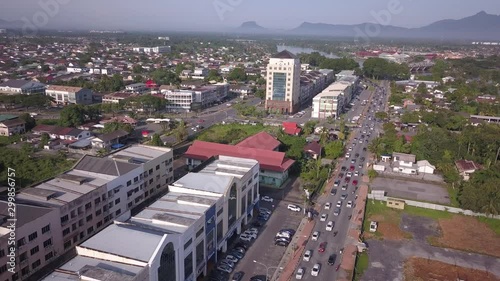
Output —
<point x="413" y="190"/>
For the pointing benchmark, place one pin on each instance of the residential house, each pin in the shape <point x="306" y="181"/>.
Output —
<point x="106" y="141"/>
<point x="242" y="90"/>
<point x="313" y="150"/>
<point x="466" y="168"/>
<point x="69" y="95"/>
<point x="25" y="87"/>
<point x="200" y="73"/>
<point x="137" y="88"/>
<point x="291" y="128"/>
<point x="117" y="97"/>
<point x="63" y="133"/>
<point x="425" y="167"/>
<point x="12" y="126"/>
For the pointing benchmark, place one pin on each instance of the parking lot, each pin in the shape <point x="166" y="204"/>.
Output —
<point x="262" y="249"/>
<point x="413" y="190"/>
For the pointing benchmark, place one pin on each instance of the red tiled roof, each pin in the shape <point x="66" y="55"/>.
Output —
<point x="291" y="128"/>
<point x="268" y="160"/>
<point x="466" y="165"/>
<point x="314" y="147"/>
<point x="261" y="140"/>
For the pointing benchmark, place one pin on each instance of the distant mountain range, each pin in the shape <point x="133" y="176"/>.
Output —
<point x="481" y="26"/>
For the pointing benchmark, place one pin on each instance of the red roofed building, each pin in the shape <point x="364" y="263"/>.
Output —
<point x="261" y="140"/>
<point x="466" y="168"/>
<point x="291" y="128"/>
<point x="274" y="166"/>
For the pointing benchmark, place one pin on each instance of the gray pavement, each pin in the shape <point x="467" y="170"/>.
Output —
<point x="413" y="190"/>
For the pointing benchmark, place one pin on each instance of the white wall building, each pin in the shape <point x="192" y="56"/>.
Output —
<point x="69" y="95"/>
<point x="283" y="83"/>
<point x="329" y="103"/>
<point x="179" y="233"/>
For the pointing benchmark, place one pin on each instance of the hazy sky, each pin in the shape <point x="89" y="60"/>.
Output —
<point x="219" y="14"/>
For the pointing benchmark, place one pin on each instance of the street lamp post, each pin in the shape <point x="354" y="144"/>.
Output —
<point x="267" y="268"/>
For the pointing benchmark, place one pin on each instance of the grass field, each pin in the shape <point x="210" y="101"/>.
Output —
<point x="232" y="133"/>
<point x="362" y="263"/>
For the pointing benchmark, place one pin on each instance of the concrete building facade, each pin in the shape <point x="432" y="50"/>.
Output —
<point x="69" y="95"/>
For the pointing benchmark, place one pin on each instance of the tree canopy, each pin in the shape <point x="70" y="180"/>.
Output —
<point x="378" y="68"/>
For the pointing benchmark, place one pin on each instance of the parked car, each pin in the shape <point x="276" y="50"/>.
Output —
<point x="232" y="258"/>
<point x="339" y="204"/>
<point x="224" y="268"/>
<point x="328" y="205"/>
<point x="227" y="262"/>
<point x="315" y="270"/>
<point x="336" y="183"/>
<point x="307" y="255"/>
<point x="333" y="192"/>
<point x="244" y="237"/>
<point x="236" y="254"/>
<point x="373" y="226"/>
<point x="300" y="273"/>
<point x="349" y="204"/>
<point x="343" y="196"/>
<point x="336" y="212"/>
<point x="281" y="243"/>
<point x="266" y="198"/>
<point x="237" y="276"/>
<point x="294" y="208"/>
<point x="355" y="182"/>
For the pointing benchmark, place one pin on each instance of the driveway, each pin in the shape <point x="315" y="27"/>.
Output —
<point x="413" y="190"/>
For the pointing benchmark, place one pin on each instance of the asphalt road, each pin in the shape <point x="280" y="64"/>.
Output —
<point x="335" y="243"/>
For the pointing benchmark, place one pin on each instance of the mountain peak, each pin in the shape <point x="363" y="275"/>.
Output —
<point x="251" y="24"/>
<point x="482" y="13"/>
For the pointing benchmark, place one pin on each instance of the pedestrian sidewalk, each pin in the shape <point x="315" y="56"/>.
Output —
<point x="303" y="236"/>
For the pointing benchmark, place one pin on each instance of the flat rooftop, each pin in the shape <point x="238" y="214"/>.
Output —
<point x="118" y="239"/>
<point x="64" y="188"/>
<point x="142" y="151"/>
<point x="94" y="268"/>
<point x="211" y="183"/>
<point x="230" y="166"/>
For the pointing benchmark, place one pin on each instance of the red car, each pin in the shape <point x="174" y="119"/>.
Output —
<point x="347" y="179"/>
<point x="201" y="121"/>
<point x="354" y="182"/>
<point x="352" y="168"/>
<point x="322" y="247"/>
<point x="341" y="175"/>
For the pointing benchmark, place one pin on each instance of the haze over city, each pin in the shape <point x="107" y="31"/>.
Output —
<point x="216" y="15"/>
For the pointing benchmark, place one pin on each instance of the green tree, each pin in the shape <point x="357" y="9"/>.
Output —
<point x="214" y="75"/>
<point x="156" y="140"/>
<point x="237" y="74"/>
<point x="72" y="116"/>
<point x="137" y="69"/>
<point x="30" y="121"/>
<point x="115" y="126"/>
<point x="381" y="115"/>
<point x="44" y="140"/>
<point x="422" y="88"/>
<point x="309" y="127"/>
<point x="334" y="149"/>
<point x="181" y="132"/>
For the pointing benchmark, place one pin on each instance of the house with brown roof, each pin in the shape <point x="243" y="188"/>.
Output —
<point x="69" y="95"/>
<point x="313" y="150"/>
<point x="466" y="168"/>
<point x="12" y="127"/>
<point x="107" y="140"/>
<point x="274" y="165"/>
<point x="262" y="140"/>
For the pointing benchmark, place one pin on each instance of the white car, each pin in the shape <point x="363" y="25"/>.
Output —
<point x="349" y="174"/>
<point x="299" y="274"/>
<point x="347" y="155"/>
<point x="294" y="208"/>
<point x="328" y="205"/>
<point x="250" y="234"/>
<point x="349" y="204"/>
<point x="315" y="236"/>
<point x="253" y="230"/>
<point x="350" y="149"/>
<point x="265" y="211"/>
<point x="356" y="173"/>
<point x="323" y="217"/>
<point x="339" y="204"/>
<point x="373" y="226"/>
<point x="329" y="226"/>
<point x="245" y="237"/>
<point x="266" y="198"/>
<point x="315" y="270"/>
<point x="307" y="255"/>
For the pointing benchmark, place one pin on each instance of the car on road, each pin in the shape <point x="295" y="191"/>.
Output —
<point x="236" y="254"/>
<point x="347" y="179"/>
<point x="264" y="211"/>
<point x="244" y="237"/>
<point x="315" y="236"/>
<point x="353" y="161"/>
<point x="331" y="259"/>
<point x="360" y="166"/>
<point x="282" y="234"/>
<point x="349" y="149"/>
<point x="349" y="204"/>
<point x="266" y="198"/>
<point x="232" y="258"/>
<point x="328" y="205"/>
<point x="356" y="155"/>
<point x="323" y="217"/>
<point x="315" y="270"/>
<point x="336" y="183"/>
<point x="344" y="168"/>
<point x="349" y="174"/>
<point x="237" y="276"/>
<point x="339" y="204"/>
<point x="341" y="175"/>
<point x="336" y="212"/>
<point x="343" y="196"/>
<point x="307" y="255"/>
<point x="281" y="243"/>
<point x="355" y="182"/>
<point x="347" y="155"/>
<point x="293" y="207"/>
<point x="329" y="226"/>
<point x="333" y="192"/>
<point x="356" y="173"/>
<point x="250" y="234"/>
<point x="322" y="247"/>
<point x="300" y="273"/>
<point x="351" y="168"/>
<point x="224" y="268"/>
